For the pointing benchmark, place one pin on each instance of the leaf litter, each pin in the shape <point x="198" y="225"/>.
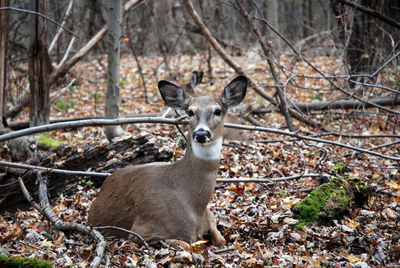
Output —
<point x="256" y="219"/>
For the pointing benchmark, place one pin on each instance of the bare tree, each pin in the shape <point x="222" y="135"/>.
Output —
<point x="39" y="68"/>
<point x="113" y="53"/>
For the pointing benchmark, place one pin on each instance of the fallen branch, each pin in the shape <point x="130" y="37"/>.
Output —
<point x="123" y="230"/>
<point x="47" y="211"/>
<point x="55" y="170"/>
<point x="346" y="104"/>
<point x="271" y="181"/>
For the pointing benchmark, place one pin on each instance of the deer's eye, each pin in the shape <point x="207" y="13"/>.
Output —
<point x="218" y="112"/>
<point x="190" y="113"/>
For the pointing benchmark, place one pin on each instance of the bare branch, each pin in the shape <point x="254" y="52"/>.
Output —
<point x="55" y="170"/>
<point x="67" y="15"/>
<point x="123" y="230"/>
<point x="90" y="122"/>
<point x="40" y="15"/>
<point x="65" y="226"/>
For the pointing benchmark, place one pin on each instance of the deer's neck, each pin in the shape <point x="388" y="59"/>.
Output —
<point x="201" y="159"/>
<point x="198" y="173"/>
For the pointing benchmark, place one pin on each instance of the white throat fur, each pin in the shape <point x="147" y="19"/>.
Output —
<point x="207" y="151"/>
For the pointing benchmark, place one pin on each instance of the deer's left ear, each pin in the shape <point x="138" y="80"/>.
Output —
<point x="173" y="95"/>
<point x="234" y="92"/>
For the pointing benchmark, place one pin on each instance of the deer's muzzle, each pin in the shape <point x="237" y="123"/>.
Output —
<point x="201" y="135"/>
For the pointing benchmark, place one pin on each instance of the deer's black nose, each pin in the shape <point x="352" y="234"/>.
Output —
<point x="201" y="135"/>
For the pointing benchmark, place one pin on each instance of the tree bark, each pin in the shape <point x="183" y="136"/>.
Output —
<point x="3" y="58"/>
<point x="39" y="68"/>
<point x="113" y="73"/>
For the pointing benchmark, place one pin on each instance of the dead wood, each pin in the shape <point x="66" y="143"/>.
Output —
<point x="47" y="211"/>
<point x="93" y="157"/>
<point x="346" y="104"/>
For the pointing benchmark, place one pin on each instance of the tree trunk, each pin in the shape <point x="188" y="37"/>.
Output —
<point x="113" y="75"/>
<point x="3" y="58"/>
<point x="39" y="68"/>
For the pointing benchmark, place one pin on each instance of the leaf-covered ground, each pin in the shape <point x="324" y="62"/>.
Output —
<point x="255" y="218"/>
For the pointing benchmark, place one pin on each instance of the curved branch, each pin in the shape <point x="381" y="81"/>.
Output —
<point x="90" y="122"/>
<point x="64" y="226"/>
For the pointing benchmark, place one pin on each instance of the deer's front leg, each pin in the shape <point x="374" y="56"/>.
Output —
<point x="209" y="225"/>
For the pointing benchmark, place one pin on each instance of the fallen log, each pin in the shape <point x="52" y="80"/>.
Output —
<point x="94" y="157"/>
<point x="345" y="104"/>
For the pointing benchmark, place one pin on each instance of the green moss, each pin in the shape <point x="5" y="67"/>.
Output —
<point x="23" y="262"/>
<point x="47" y="142"/>
<point x="331" y="200"/>
<point x="65" y="104"/>
<point x="308" y="210"/>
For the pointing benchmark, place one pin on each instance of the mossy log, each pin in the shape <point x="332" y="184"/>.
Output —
<point x="331" y="200"/>
<point x="23" y="262"/>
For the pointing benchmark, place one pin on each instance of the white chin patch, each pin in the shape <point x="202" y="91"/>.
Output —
<point x="207" y="151"/>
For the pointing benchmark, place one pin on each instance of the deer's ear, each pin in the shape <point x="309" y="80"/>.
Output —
<point x="195" y="78"/>
<point x="173" y="95"/>
<point x="234" y="92"/>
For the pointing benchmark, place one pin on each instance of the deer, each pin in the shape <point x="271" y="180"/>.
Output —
<point x="190" y="89"/>
<point x="170" y="201"/>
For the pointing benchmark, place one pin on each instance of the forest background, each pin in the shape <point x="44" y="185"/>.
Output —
<point x="322" y="102"/>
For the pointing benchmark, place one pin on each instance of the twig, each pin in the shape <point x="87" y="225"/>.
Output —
<point x="385" y="64"/>
<point x="55" y="170"/>
<point x="57" y="94"/>
<point x="123" y="230"/>
<point x="223" y="250"/>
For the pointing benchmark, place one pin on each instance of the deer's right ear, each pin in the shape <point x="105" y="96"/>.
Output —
<point x="234" y="92"/>
<point x="173" y="95"/>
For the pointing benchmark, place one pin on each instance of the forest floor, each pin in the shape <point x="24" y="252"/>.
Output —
<point x="255" y="218"/>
